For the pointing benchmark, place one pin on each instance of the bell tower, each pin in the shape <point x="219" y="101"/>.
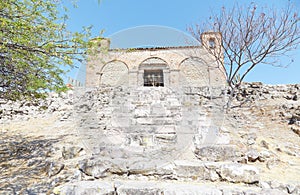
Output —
<point x="212" y="42"/>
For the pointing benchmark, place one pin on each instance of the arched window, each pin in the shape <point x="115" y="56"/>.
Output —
<point x="212" y="43"/>
<point x="153" y="72"/>
<point x="114" y="73"/>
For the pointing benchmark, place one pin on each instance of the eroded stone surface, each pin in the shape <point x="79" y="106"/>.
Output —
<point x="217" y="153"/>
<point x="238" y="173"/>
<point x="86" y="187"/>
<point x="41" y="147"/>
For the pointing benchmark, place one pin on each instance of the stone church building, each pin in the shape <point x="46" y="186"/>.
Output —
<point x="156" y="67"/>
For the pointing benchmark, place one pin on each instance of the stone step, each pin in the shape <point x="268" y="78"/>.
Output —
<point x="121" y="187"/>
<point x="131" y="162"/>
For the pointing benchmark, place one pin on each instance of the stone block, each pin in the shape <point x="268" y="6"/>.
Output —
<point x="144" y="121"/>
<point x="85" y="187"/>
<point x="193" y="170"/>
<point x="217" y="153"/>
<point x="271" y="191"/>
<point x="239" y="173"/>
<point x="139" y="188"/>
<point x="179" y="189"/>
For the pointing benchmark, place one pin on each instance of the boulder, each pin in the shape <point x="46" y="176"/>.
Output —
<point x="238" y="173"/>
<point x="94" y="168"/>
<point x="252" y="155"/>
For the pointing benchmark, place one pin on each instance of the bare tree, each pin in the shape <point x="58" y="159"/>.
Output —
<point x="250" y="37"/>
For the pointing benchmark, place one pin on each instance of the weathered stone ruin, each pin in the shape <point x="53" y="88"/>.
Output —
<point x="81" y="142"/>
<point x="162" y="66"/>
<point x="153" y="121"/>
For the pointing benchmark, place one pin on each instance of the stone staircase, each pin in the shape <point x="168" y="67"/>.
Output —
<point x="149" y="141"/>
<point x="122" y="187"/>
<point x="158" y="134"/>
<point x="153" y="121"/>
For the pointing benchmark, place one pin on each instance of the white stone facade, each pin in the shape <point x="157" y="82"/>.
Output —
<point x="175" y="66"/>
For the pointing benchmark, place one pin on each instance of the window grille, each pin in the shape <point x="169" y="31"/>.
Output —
<point x="153" y="78"/>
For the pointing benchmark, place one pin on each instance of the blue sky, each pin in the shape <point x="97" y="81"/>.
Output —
<point x="113" y="16"/>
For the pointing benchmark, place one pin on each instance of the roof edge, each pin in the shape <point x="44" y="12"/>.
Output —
<point x="154" y="48"/>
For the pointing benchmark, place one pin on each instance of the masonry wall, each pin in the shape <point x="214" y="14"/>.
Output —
<point x="60" y="132"/>
<point x="182" y="66"/>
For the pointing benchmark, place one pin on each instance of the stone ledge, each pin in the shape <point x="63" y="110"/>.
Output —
<point x="179" y="169"/>
<point x="158" y="188"/>
<point x="218" y="153"/>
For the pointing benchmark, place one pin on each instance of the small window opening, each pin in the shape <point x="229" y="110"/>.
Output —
<point x="153" y="78"/>
<point x="212" y="43"/>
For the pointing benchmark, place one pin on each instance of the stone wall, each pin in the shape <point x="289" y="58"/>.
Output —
<point x="282" y="100"/>
<point x="148" y="117"/>
<point x="249" y="95"/>
<point x="155" y="140"/>
<point x="259" y="91"/>
<point x="60" y="105"/>
<point x="185" y="66"/>
<point x="171" y="105"/>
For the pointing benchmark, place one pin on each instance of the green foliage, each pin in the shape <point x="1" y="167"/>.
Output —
<point x="34" y="45"/>
<point x="130" y="50"/>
